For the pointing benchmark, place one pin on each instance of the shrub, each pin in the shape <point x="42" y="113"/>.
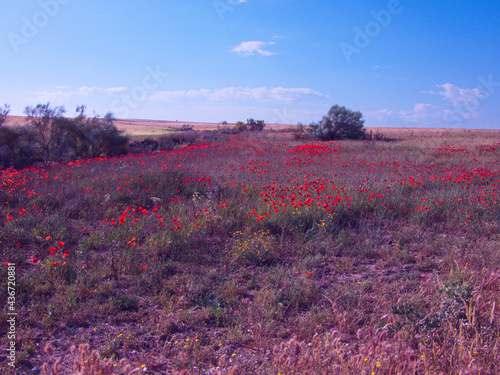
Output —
<point x="4" y="112"/>
<point x="339" y="123"/>
<point x="97" y="136"/>
<point x="300" y="132"/>
<point x="51" y="137"/>
<point x="18" y="147"/>
<point x="144" y="146"/>
<point x="240" y="126"/>
<point x="46" y="123"/>
<point x="255" y="125"/>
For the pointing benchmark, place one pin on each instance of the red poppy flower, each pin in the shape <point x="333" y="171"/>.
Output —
<point x="61" y="243"/>
<point x="48" y="238"/>
<point x="55" y="264"/>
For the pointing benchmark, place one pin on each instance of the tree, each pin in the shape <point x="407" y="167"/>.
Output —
<point x="254" y="126"/>
<point x="90" y="137"/>
<point x="46" y="122"/>
<point x="240" y="126"/>
<point x="4" y="112"/>
<point x="339" y="123"/>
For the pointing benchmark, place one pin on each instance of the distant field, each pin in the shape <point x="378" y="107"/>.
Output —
<point x="151" y="128"/>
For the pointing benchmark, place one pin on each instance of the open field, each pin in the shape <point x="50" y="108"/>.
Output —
<point x="261" y="254"/>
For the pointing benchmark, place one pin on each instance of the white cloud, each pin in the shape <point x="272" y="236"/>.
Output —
<point x="43" y="96"/>
<point x="116" y="89"/>
<point x="421" y="114"/>
<point x="280" y="94"/>
<point x="238" y="93"/>
<point x="460" y="108"/>
<point x="87" y="91"/>
<point x="457" y="95"/>
<point x="251" y="48"/>
<point x="54" y="96"/>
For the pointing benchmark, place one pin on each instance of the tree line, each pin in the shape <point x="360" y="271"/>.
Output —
<point x="48" y="136"/>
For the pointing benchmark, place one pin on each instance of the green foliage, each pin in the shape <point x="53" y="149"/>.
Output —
<point x="125" y="302"/>
<point x="339" y="123"/>
<point x="251" y="125"/>
<point x="252" y="247"/>
<point x="255" y="125"/>
<point x="46" y="123"/>
<point x="240" y="126"/>
<point x="18" y="147"/>
<point x="51" y="137"/>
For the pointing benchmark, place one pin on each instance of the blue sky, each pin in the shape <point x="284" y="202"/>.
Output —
<point x="402" y="63"/>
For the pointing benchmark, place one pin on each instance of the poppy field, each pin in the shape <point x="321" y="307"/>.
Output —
<point x="260" y="254"/>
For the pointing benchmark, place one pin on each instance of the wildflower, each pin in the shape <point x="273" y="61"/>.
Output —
<point x="55" y="264"/>
<point x="34" y="260"/>
<point x="143" y="266"/>
<point x="61" y="243"/>
<point x="48" y="238"/>
<point x="9" y="218"/>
